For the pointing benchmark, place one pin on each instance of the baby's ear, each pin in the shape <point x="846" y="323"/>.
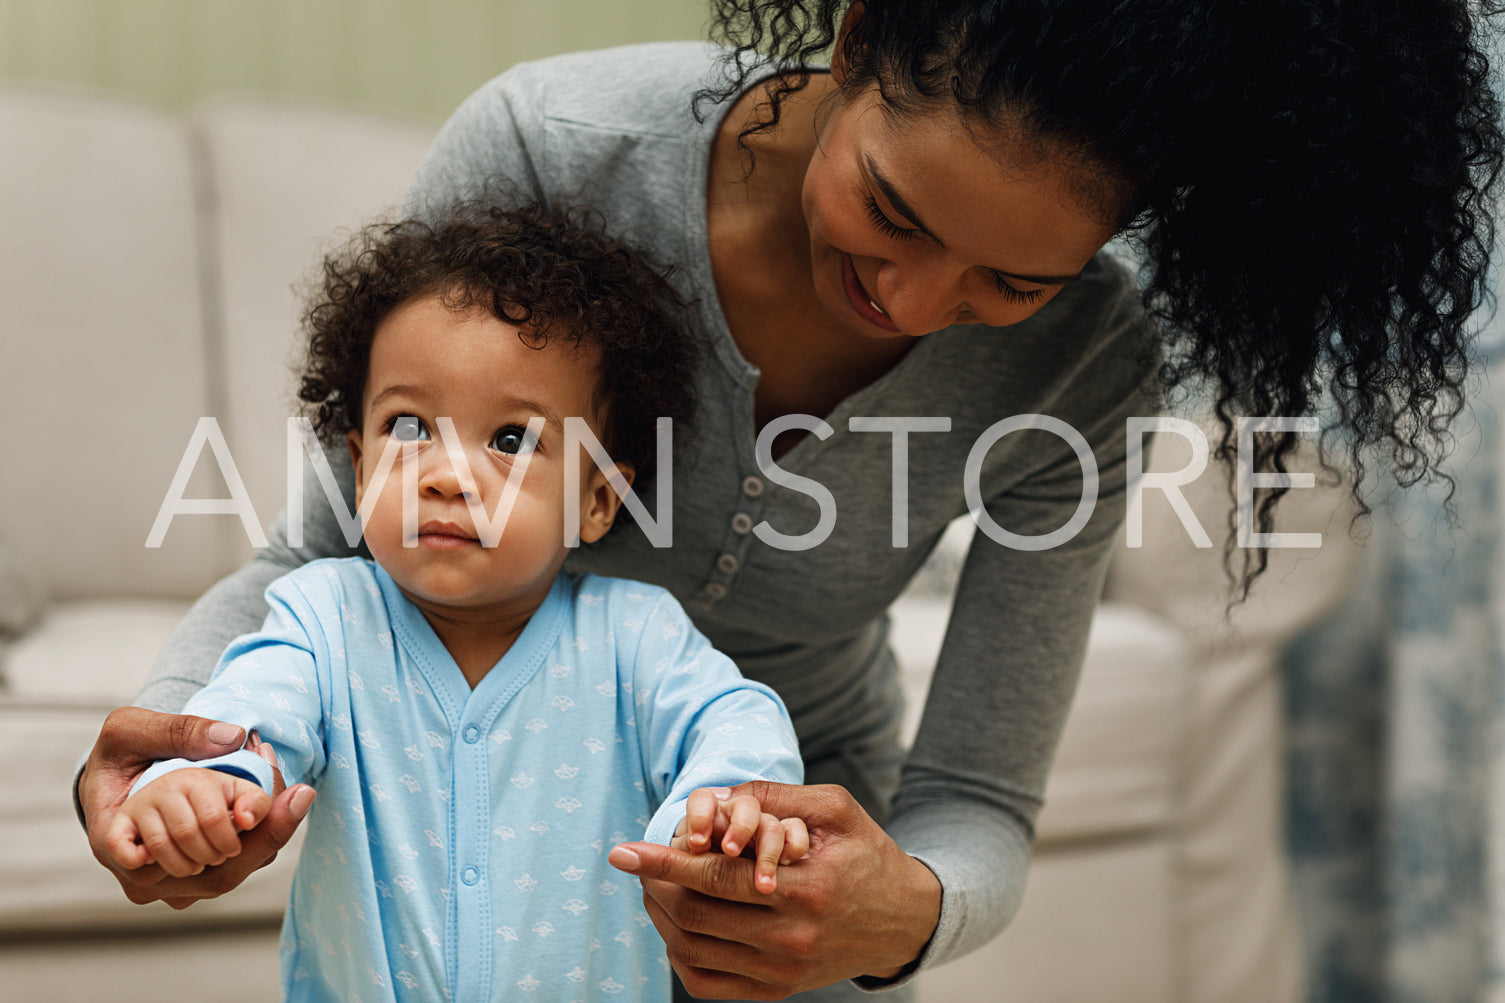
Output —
<point x="353" y="440"/>
<point x="598" y="509"/>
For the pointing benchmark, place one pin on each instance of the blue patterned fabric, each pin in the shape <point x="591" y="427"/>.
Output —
<point x="1396" y="784"/>
<point x="457" y="849"/>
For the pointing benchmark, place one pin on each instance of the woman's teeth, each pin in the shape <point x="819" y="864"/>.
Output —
<point x="876" y="307"/>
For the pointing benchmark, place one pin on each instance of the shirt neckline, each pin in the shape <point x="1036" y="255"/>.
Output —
<point x="509" y="675"/>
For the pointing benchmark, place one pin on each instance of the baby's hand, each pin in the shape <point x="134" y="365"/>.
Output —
<point x="742" y="826"/>
<point x="185" y="821"/>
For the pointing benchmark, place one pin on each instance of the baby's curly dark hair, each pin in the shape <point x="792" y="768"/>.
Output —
<point x="553" y="273"/>
<point x="1311" y="182"/>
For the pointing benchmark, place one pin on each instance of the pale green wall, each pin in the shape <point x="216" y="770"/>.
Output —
<point x="413" y="58"/>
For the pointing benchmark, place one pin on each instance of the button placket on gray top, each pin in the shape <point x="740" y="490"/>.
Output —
<point x="733" y="546"/>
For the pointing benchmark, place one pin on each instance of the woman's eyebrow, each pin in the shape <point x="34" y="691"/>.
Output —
<point x="907" y="211"/>
<point x="897" y="201"/>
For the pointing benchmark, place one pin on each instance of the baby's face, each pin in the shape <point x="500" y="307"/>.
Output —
<point x="429" y="362"/>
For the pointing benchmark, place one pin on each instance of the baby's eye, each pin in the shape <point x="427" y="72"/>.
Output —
<point x="512" y="439"/>
<point x="406" y="428"/>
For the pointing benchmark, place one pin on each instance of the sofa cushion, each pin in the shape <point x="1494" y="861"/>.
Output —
<point x="1188" y="585"/>
<point x="101" y="345"/>
<point x="49" y="880"/>
<point x="91" y="653"/>
<point x="20" y="596"/>
<point x="286" y="180"/>
<point x="85" y="659"/>
<point x="1115" y="771"/>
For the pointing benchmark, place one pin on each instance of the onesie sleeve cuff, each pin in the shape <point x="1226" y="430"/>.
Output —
<point x="242" y="763"/>
<point x="665" y="821"/>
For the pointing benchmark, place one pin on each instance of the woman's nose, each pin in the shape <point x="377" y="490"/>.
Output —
<point x="921" y="293"/>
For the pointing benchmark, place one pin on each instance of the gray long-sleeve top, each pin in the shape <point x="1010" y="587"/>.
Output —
<point x="614" y="130"/>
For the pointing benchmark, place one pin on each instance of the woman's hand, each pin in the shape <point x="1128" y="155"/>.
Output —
<point x="855" y="905"/>
<point x="132" y="739"/>
<point x="741" y="826"/>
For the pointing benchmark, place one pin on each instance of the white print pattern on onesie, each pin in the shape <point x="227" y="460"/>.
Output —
<point x="428" y="780"/>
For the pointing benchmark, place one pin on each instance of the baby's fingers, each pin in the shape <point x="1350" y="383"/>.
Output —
<point x="207" y="834"/>
<point x="700" y="816"/>
<point x="251" y="805"/>
<point x="156" y="837"/>
<point x="770" y="851"/>
<point x="121" y="843"/>
<point x="743" y="814"/>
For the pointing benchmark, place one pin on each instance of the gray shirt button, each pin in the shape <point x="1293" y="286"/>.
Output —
<point x="752" y="486"/>
<point x="742" y="524"/>
<point x="727" y="563"/>
<point x="716" y="590"/>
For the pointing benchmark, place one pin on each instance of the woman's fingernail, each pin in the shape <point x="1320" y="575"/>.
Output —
<point x="722" y="793"/>
<point x="223" y="733"/>
<point x="303" y="799"/>
<point x="624" y="859"/>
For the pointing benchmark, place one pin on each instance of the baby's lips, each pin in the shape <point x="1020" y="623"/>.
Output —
<point x="445" y="528"/>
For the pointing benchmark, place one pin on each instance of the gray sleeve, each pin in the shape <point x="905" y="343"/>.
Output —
<point x="237" y="605"/>
<point x="1005" y="677"/>
<point x="487" y="147"/>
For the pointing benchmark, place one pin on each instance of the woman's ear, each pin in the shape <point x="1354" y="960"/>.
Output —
<point x="838" y="51"/>
<point x="353" y="440"/>
<point x="601" y="500"/>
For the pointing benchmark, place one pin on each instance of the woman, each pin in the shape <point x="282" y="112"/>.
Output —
<point x="1310" y="185"/>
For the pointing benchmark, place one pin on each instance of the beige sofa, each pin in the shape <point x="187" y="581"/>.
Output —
<point x="145" y="278"/>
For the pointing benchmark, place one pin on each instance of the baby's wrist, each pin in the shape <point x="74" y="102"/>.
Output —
<point x="242" y="763"/>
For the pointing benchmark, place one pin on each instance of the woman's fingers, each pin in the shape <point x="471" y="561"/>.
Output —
<point x="714" y="874"/>
<point x="266" y="752"/>
<point x="796" y="840"/>
<point x="259" y="847"/>
<point x="856" y="904"/>
<point x="763" y="952"/>
<point x="131" y="739"/>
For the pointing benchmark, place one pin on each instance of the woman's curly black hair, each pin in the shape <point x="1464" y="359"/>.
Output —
<point x="1311" y="183"/>
<point x="551" y="273"/>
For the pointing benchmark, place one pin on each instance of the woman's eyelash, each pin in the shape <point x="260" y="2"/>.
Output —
<point x="889" y="228"/>
<point x="885" y="225"/>
<point x="1016" y="295"/>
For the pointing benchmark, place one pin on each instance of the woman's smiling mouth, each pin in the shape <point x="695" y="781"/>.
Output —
<point x="861" y="300"/>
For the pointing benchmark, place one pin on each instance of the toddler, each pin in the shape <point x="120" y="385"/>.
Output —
<point x="481" y="727"/>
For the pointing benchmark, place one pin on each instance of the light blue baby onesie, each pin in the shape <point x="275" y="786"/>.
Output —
<point x="457" y="849"/>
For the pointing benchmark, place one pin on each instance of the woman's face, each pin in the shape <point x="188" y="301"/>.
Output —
<point x="915" y="225"/>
